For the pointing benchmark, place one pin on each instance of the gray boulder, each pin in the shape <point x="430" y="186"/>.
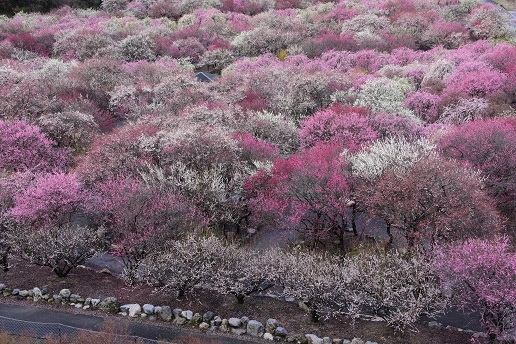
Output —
<point x="357" y="340"/>
<point x="134" y="310"/>
<point x="268" y="336"/>
<point x="166" y="313"/>
<point x="326" y="340"/>
<point x="148" y="309"/>
<point x="303" y="306"/>
<point x="95" y="302"/>
<point x="234" y="322"/>
<point x="65" y="293"/>
<point x="313" y="339"/>
<point x="434" y="324"/>
<point x="216" y="321"/>
<point x="280" y="332"/>
<point x="187" y="314"/>
<point x="2" y="286"/>
<point x="36" y="293"/>
<point x="23" y="293"/>
<point x="224" y="325"/>
<point x="255" y="328"/>
<point x="208" y="316"/>
<point x="177" y="312"/>
<point x="271" y="325"/>
<point x="204" y="326"/>
<point x="180" y="321"/>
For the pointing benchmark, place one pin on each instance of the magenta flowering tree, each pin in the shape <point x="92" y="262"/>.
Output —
<point x="480" y="274"/>
<point x="44" y="223"/>
<point x="474" y="79"/>
<point x="489" y="146"/>
<point x="308" y="192"/>
<point x="50" y="199"/>
<point x="41" y="44"/>
<point x="424" y="105"/>
<point x="24" y="147"/>
<point x="141" y="217"/>
<point x="255" y="149"/>
<point x="346" y="128"/>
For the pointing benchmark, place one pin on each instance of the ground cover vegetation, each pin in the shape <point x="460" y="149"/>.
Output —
<point x="382" y="132"/>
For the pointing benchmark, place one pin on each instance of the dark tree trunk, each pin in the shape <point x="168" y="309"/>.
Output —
<point x="180" y="293"/>
<point x="353" y="219"/>
<point x="240" y="298"/>
<point x="5" y="259"/>
<point x="314" y="316"/>
<point x="389" y="233"/>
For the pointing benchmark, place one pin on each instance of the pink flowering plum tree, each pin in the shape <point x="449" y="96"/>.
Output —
<point x="95" y="78"/>
<point x="50" y="199"/>
<point x="308" y="192"/>
<point x="140" y="218"/>
<point x="9" y="186"/>
<point x="392" y="125"/>
<point x="424" y="105"/>
<point x="480" y="275"/>
<point x="255" y="149"/>
<point x="27" y="97"/>
<point x="347" y="128"/>
<point x="474" y="79"/>
<point x="44" y="225"/>
<point x="489" y="146"/>
<point x="23" y="147"/>
<point x="119" y="153"/>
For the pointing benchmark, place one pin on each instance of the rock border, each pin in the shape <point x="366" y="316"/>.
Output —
<point x="208" y="321"/>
